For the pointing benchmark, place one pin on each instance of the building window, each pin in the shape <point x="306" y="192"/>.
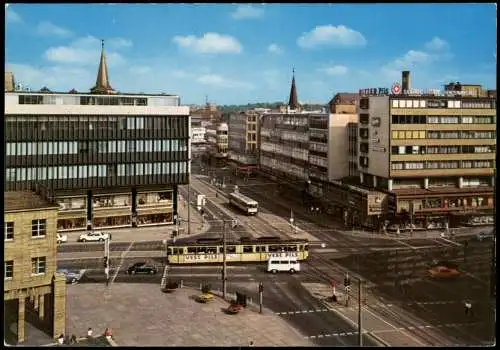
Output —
<point x="38" y="265"/>
<point x="9" y="270"/>
<point x="38" y="228"/>
<point x="467" y="120"/>
<point x="397" y="166"/>
<point x="9" y="231"/>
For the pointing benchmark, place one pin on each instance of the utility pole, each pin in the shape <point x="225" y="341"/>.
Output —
<point x="106" y="259"/>
<point x="261" y="291"/>
<point x="224" y="259"/>
<point x="189" y="204"/>
<point x="411" y="217"/>
<point x="360" y="328"/>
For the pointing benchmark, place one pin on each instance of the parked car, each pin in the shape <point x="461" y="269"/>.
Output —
<point x="443" y="272"/>
<point x="483" y="236"/>
<point x="142" y="267"/>
<point x="95" y="236"/>
<point x="62" y="238"/>
<point x="72" y="276"/>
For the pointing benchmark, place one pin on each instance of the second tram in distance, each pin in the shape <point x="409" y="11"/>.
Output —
<point x="248" y="205"/>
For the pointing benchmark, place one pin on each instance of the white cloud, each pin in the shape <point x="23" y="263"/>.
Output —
<point x="140" y="69"/>
<point x="12" y="16"/>
<point x="47" y="28"/>
<point x="410" y="59"/>
<point x="86" y="50"/>
<point x="218" y="81"/>
<point x="336" y="70"/>
<point x="339" y="36"/>
<point x="117" y="43"/>
<point x="209" y="43"/>
<point x="56" y="78"/>
<point x="437" y="44"/>
<point x="274" y="48"/>
<point x="247" y="12"/>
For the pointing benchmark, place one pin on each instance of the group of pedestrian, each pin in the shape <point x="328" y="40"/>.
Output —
<point x="316" y="210"/>
<point x="62" y="340"/>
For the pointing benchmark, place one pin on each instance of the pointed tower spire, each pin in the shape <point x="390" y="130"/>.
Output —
<point x="293" y="102"/>
<point x="102" y="85"/>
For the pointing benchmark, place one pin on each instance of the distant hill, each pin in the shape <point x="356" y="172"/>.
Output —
<point x="273" y="105"/>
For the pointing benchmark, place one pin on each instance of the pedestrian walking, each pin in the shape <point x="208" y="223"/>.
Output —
<point x="468" y="308"/>
<point x="107" y="333"/>
<point x="90" y="332"/>
<point x="73" y="339"/>
<point x="60" y="340"/>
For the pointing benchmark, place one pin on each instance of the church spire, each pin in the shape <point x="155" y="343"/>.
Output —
<point x="293" y="102"/>
<point x="102" y="85"/>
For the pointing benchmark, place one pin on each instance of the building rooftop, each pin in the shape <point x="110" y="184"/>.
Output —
<point x="21" y="201"/>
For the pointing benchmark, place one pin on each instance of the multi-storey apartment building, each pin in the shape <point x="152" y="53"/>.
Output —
<point x="217" y="142"/>
<point x="243" y="133"/>
<point x="32" y="289"/>
<point x="433" y="151"/>
<point x="109" y="159"/>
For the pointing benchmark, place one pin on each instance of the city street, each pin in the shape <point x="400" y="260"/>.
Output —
<point x="429" y="312"/>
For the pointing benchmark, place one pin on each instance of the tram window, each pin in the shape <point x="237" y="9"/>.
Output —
<point x="284" y="262"/>
<point x="260" y="248"/>
<point x="191" y="250"/>
<point x="231" y="249"/>
<point x="291" y="248"/>
<point x="211" y="250"/>
<point x="274" y="248"/>
<point x="247" y="249"/>
<point x="221" y="250"/>
<point x="301" y="247"/>
<point x="306" y="247"/>
<point x="201" y="250"/>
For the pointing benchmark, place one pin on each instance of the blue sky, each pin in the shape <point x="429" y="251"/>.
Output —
<point x="238" y="54"/>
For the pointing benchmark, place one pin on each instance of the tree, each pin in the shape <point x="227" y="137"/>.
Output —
<point x="45" y="89"/>
<point x="73" y="91"/>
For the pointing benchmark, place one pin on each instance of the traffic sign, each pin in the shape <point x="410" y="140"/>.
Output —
<point x="348" y="288"/>
<point x="334" y="283"/>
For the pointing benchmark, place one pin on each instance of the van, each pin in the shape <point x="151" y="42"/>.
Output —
<point x="286" y="264"/>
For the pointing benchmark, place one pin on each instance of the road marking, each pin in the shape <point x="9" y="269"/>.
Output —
<point x="449" y="241"/>
<point x="300" y="312"/>
<point x="121" y="262"/>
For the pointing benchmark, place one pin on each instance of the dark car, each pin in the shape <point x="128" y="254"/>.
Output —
<point x="483" y="236"/>
<point x="142" y="267"/>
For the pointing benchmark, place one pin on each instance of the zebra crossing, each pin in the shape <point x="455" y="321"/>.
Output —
<point x="343" y="334"/>
<point x="300" y="312"/>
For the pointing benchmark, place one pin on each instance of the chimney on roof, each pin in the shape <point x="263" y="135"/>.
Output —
<point x="405" y="81"/>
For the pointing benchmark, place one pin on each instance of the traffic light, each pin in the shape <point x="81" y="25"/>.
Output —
<point x="261" y="287"/>
<point x="105" y="261"/>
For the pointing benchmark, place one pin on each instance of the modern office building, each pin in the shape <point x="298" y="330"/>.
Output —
<point x="33" y="292"/>
<point x="217" y="142"/>
<point x="432" y="151"/>
<point x="109" y="159"/>
<point x="243" y="134"/>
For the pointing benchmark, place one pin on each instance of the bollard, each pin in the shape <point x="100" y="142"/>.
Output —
<point x="181" y="283"/>
<point x="201" y="286"/>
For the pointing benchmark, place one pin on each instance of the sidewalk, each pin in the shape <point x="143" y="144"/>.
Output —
<point x="171" y="319"/>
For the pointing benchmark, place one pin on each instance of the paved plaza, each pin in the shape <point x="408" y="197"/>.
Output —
<point x="141" y="315"/>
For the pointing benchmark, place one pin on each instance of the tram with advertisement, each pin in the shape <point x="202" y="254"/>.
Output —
<point x="210" y="251"/>
<point x="248" y="205"/>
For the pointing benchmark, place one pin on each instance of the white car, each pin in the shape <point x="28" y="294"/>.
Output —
<point x="62" y="238"/>
<point x="94" y="237"/>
